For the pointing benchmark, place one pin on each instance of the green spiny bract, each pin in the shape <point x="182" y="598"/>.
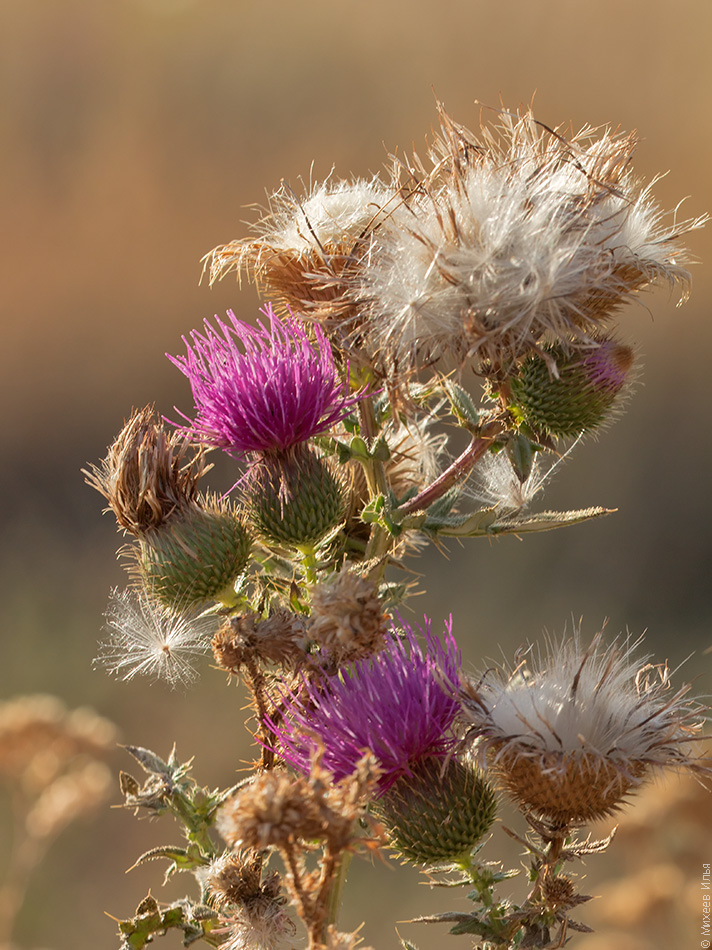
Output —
<point x="581" y="398"/>
<point x="197" y="558"/>
<point x="295" y="500"/>
<point x="437" y="814"/>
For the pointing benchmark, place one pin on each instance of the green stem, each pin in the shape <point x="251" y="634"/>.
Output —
<point x="309" y="563"/>
<point x="336" y="892"/>
<point x="374" y="469"/>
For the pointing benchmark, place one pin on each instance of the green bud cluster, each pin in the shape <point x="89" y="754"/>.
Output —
<point x="437" y="814"/>
<point x="296" y="500"/>
<point x="581" y="398"/>
<point x="197" y="557"/>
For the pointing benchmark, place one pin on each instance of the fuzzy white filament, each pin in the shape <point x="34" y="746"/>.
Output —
<point x="332" y="214"/>
<point x="495" y="483"/>
<point x="145" y="639"/>
<point x="597" y="701"/>
<point x="513" y="237"/>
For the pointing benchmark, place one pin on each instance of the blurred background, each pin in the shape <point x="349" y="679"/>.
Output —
<point x="133" y="136"/>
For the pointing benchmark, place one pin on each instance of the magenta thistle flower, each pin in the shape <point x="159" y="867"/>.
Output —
<point x="260" y="389"/>
<point x="400" y="704"/>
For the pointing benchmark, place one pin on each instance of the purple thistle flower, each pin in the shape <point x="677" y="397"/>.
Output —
<point x="278" y="389"/>
<point x="400" y="704"/>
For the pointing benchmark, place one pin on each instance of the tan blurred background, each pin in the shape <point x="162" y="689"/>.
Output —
<point x="133" y="133"/>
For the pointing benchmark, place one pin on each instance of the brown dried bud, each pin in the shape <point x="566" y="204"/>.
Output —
<point x="275" y="809"/>
<point x="148" y="474"/>
<point x="347" y="618"/>
<point x="245" y="639"/>
<point x="236" y="878"/>
<point x="559" y="890"/>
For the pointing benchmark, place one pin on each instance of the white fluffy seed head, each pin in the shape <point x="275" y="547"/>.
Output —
<point x="335" y="214"/>
<point x="514" y="237"/>
<point x="571" y="737"/>
<point x="146" y="639"/>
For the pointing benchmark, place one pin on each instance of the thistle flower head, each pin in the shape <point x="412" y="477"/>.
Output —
<point x="514" y="236"/>
<point x="574" y="736"/>
<point x="197" y="557"/>
<point x="297" y="500"/>
<point x="263" y="389"/>
<point x="581" y="396"/>
<point x="439" y="813"/>
<point x="146" y="639"/>
<point x="399" y="705"/>
<point x="148" y="474"/>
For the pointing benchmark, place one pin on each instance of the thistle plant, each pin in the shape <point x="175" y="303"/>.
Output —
<point x="510" y="254"/>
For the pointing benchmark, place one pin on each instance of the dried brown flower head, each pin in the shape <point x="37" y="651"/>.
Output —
<point x="275" y="809"/>
<point x="246" y="639"/>
<point x="347" y="618"/>
<point x="304" y="245"/>
<point x="236" y="878"/>
<point x="148" y="474"/>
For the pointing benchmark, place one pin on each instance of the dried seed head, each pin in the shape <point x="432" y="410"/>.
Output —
<point x="280" y="638"/>
<point x="263" y="926"/>
<point x="515" y="236"/>
<point x="275" y="809"/>
<point x="347" y="618"/>
<point x="572" y="738"/>
<point x="236" y="878"/>
<point x="304" y="245"/>
<point x="148" y="475"/>
<point x="439" y="812"/>
<point x="146" y="639"/>
<point x="559" y="891"/>
<point x="197" y="557"/>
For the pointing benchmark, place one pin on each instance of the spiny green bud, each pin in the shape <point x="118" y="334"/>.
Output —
<point x="294" y="500"/>
<point x="581" y="398"/>
<point x="196" y="557"/>
<point x="439" y="813"/>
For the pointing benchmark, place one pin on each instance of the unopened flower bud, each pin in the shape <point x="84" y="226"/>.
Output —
<point x="294" y="500"/>
<point x="582" y="396"/>
<point x="439" y="812"/>
<point x="196" y="558"/>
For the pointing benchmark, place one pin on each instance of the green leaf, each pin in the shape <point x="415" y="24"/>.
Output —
<point x="520" y="452"/>
<point x="461" y="403"/>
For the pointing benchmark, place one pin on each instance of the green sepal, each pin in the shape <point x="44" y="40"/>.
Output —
<point x="371" y="513"/>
